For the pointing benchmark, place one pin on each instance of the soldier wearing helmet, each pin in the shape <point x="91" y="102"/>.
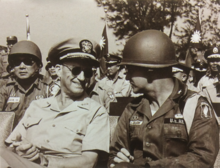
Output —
<point x="68" y="129"/>
<point x="11" y="40"/>
<point x="169" y="125"/>
<point x="27" y="84"/>
<point x="115" y="77"/>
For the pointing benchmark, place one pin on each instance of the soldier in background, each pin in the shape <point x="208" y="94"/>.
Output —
<point x="99" y="92"/>
<point x="210" y="83"/>
<point x="115" y="77"/>
<point x="5" y="74"/>
<point x="11" y="40"/>
<point x="51" y="71"/>
<point x="27" y="84"/>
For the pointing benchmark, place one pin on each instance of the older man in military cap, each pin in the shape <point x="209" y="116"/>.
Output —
<point x="27" y="83"/>
<point x="169" y="126"/>
<point x="115" y="77"/>
<point x="70" y="129"/>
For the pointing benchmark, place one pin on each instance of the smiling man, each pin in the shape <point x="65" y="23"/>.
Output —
<point x="27" y="84"/>
<point x="67" y="130"/>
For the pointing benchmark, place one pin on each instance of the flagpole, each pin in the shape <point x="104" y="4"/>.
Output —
<point x="28" y="27"/>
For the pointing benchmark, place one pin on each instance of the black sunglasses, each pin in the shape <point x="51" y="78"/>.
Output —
<point x="26" y="61"/>
<point x="77" y="70"/>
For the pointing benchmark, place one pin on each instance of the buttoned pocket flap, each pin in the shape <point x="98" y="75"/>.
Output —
<point x="77" y="130"/>
<point x="31" y="122"/>
<point x="176" y="131"/>
<point x="12" y="106"/>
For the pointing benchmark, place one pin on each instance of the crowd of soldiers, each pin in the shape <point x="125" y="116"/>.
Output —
<point x="62" y="118"/>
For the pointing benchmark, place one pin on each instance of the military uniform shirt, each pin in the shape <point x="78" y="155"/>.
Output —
<point x="14" y="98"/>
<point x="206" y="81"/>
<point x="103" y="95"/>
<point x="82" y="126"/>
<point x="121" y="86"/>
<point x="162" y="140"/>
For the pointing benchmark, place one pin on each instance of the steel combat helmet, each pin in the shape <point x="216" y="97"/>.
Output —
<point x="151" y="49"/>
<point x="11" y="40"/>
<point x="25" y="47"/>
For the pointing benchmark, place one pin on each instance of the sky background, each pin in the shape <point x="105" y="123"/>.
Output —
<point x="52" y="21"/>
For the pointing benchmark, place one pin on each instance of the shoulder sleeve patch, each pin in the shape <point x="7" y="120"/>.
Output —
<point x="205" y="110"/>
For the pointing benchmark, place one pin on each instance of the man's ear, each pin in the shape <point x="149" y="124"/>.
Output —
<point x="58" y="68"/>
<point x="184" y="77"/>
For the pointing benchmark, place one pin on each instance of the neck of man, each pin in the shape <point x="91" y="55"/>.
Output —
<point x="27" y="83"/>
<point x="161" y="89"/>
<point x="114" y="76"/>
<point x="54" y="77"/>
<point x="64" y="99"/>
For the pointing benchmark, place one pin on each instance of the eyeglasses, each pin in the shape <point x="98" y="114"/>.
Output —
<point x="26" y="61"/>
<point x="77" y="70"/>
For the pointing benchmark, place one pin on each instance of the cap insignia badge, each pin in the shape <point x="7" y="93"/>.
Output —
<point x="215" y="50"/>
<point x="86" y="46"/>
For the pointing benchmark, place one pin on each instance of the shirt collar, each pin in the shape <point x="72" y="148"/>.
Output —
<point x="83" y="103"/>
<point x="143" y="106"/>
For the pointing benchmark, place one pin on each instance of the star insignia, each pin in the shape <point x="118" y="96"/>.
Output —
<point x="102" y="42"/>
<point x="196" y="37"/>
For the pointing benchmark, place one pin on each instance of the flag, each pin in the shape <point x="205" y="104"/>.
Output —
<point x="104" y="43"/>
<point x="104" y="51"/>
<point x="196" y="41"/>
<point x="28" y="28"/>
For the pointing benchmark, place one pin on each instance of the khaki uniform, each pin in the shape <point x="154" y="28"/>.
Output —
<point x="103" y="95"/>
<point x="206" y="81"/>
<point x="121" y="86"/>
<point x="162" y="140"/>
<point x="58" y="133"/>
<point x="14" y="98"/>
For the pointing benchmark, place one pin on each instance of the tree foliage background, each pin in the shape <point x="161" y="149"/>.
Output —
<point x="177" y="18"/>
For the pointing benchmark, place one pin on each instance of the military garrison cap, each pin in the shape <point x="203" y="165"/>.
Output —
<point x="75" y="48"/>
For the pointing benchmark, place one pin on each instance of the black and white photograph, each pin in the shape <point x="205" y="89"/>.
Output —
<point x="109" y="83"/>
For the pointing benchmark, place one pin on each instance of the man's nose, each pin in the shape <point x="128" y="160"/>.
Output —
<point x="22" y="65"/>
<point x="81" y="76"/>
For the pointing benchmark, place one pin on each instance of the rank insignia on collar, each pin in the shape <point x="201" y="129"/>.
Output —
<point x="86" y="46"/>
<point x="39" y="97"/>
<point x="205" y="111"/>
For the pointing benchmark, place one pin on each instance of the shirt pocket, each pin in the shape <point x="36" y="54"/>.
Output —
<point x="175" y="131"/>
<point x="32" y="121"/>
<point x="12" y="106"/>
<point x="73" y="137"/>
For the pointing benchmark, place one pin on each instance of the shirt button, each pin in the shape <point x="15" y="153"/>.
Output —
<point x="48" y="141"/>
<point x="147" y="144"/>
<point x="53" y="125"/>
<point x="149" y="127"/>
